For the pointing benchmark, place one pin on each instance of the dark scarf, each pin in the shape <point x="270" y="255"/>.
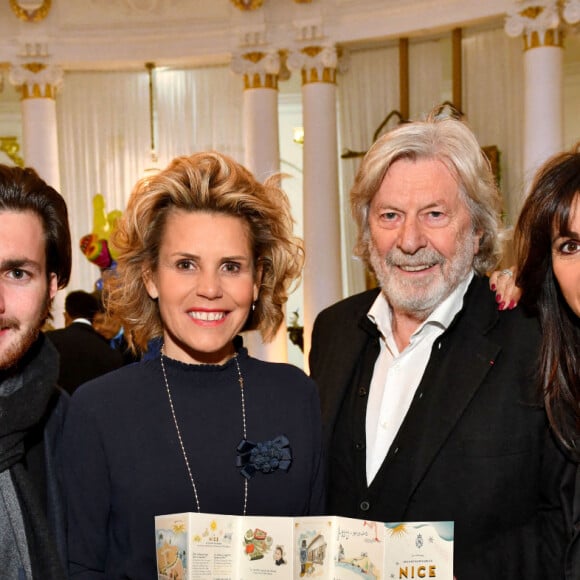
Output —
<point x="26" y="392"/>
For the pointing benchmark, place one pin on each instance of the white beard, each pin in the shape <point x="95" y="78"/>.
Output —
<point x="422" y="296"/>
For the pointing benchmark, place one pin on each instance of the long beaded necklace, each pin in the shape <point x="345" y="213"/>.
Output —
<point x="180" y="439"/>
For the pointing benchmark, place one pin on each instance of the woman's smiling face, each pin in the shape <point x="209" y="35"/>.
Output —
<point x="205" y="283"/>
<point x="566" y="258"/>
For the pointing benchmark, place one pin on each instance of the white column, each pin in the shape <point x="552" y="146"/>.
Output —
<point x="322" y="274"/>
<point x="260" y="111"/>
<point x="262" y="154"/>
<point x="538" y="22"/>
<point x="38" y="84"/>
<point x="543" y="104"/>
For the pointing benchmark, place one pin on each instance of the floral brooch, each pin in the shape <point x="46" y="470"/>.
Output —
<point x="264" y="456"/>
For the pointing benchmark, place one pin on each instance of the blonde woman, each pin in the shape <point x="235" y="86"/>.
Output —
<point x="205" y="252"/>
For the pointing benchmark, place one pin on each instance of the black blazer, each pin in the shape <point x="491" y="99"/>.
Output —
<point x="84" y="355"/>
<point x="474" y="446"/>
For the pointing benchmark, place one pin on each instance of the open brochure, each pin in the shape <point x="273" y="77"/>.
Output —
<point x="196" y="546"/>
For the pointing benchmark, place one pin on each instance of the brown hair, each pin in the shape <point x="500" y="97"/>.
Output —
<point x="23" y="190"/>
<point x="546" y="213"/>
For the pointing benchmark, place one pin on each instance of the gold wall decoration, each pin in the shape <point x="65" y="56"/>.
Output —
<point x="35" y="15"/>
<point x="10" y="146"/>
<point x="247" y="4"/>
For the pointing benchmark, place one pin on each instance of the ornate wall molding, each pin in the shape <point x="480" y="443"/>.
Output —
<point x="30" y="11"/>
<point x="145" y="8"/>
<point x="11" y="147"/>
<point x="247" y="4"/>
<point x="37" y="80"/>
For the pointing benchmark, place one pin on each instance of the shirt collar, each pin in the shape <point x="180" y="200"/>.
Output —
<point x="380" y="312"/>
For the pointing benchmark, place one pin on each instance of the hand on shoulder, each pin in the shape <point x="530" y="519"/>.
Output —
<point x="503" y="283"/>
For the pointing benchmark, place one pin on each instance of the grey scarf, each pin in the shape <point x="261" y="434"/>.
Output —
<point x="27" y="549"/>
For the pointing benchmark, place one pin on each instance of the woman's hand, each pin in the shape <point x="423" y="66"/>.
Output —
<point x="503" y="283"/>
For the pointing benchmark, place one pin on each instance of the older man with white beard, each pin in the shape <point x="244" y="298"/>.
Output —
<point x="35" y="260"/>
<point x="426" y="388"/>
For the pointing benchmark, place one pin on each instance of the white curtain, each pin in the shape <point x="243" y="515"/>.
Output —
<point x="493" y="103"/>
<point x="367" y="93"/>
<point x="198" y="110"/>
<point x="425" y="77"/>
<point x="103" y="129"/>
<point x="104" y="136"/>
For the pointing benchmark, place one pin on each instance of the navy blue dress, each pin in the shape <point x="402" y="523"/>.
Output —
<point x="124" y="465"/>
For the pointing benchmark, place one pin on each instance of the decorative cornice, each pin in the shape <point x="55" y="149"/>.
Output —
<point x="11" y="147"/>
<point x="37" y="80"/>
<point x="318" y="64"/>
<point x="35" y="15"/>
<point x="260" y="69"/>
<point x="540" y="22"/>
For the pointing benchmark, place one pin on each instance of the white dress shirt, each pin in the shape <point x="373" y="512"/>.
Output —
<point x="397" y="375"/>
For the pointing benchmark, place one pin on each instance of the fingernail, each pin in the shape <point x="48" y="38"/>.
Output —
<point x="501" y="306"/>
<point x="498" y="297"/>
<point x="493" y="287"/>
<point x="512" y="304"/>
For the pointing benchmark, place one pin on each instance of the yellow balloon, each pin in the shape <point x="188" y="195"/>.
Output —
<point x="100" y="222"/>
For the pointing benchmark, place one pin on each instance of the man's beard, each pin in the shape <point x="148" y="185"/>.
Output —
<point x="23" y="341"/>
<point x="420" y="297"/>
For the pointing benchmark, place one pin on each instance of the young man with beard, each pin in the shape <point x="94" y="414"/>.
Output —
<point x="426" y="388"/>
<point x="35" y="261"/>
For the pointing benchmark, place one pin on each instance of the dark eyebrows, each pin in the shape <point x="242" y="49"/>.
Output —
<point x="19" y="263"/>
<point x="237" y="259"/>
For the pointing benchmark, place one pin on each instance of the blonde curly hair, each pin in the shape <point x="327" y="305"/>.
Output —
<point x="208" y="182"/>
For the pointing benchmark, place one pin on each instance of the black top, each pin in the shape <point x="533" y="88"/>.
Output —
<point x="125" y="465"/>
<point x="84" y="355"/>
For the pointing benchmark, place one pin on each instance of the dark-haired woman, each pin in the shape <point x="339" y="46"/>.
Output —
<point x="547" y="243"/>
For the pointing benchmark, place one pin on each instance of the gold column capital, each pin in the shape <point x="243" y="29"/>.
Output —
<point x="260" y="69"/>
<point x="36" y="80"/>
<point x="317" y="63"/>
<point x="537" y="21"/>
